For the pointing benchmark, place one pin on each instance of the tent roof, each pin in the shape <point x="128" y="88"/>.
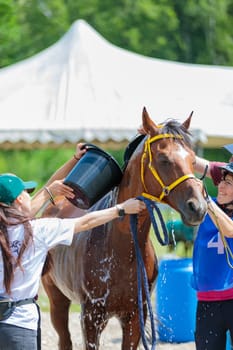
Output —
<point x="83" y="87"/>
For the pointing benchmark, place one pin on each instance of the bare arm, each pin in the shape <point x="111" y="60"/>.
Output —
<point x="200" y="166"/>
<point x="222" y="221"/>
<point x="56" y="188"/>
<point x="100" y="217"/>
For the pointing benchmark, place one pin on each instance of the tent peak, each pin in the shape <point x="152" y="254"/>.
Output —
<point x="81" y="31"/>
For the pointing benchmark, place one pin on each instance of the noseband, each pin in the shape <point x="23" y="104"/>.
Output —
<point x="165" y="189"/>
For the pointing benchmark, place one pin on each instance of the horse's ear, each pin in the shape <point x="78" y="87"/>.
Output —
<point x="147" y="124"/>
<point x="187" y="122"/>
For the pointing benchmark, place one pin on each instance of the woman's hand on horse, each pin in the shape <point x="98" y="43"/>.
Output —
<point x="132" y="206"/>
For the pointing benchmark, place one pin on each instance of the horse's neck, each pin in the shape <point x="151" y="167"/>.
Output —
<point x="131" y="184"/>
<point x="131" y="187"/>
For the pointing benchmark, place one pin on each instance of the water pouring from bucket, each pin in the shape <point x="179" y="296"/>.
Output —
<point x="95" y="174"/>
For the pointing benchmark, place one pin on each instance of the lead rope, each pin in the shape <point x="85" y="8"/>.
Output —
<point x="141" y="271"/>
<point x="224" y="241"/>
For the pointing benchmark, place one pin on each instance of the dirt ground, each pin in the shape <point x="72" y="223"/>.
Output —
<point x="110" y="339"/>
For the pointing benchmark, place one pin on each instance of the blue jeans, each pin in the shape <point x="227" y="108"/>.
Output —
<point x="17" y="338"/>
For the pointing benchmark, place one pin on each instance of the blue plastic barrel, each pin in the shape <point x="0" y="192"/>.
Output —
<point x="176" y="301"/>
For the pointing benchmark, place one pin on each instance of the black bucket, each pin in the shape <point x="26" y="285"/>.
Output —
<point x="95" y="174"/>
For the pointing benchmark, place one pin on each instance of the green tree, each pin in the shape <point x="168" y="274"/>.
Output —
<point x="42" y="24"/>
<point x="195" y="31"/>
<point x="29" y="26"/>
<point x="142" y="26"/>
<point x="205" y="31"/>
<point x="9" y="32"/>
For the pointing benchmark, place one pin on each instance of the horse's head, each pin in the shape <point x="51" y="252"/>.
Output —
<point x="167" y="168"/>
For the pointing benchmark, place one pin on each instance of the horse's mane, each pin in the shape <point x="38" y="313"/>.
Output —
<point x="172" y="126"/>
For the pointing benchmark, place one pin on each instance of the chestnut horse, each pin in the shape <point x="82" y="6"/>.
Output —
<point x="99" y="269"/>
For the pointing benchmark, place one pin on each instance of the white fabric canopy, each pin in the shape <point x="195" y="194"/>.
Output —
<point x="83" y="87"/>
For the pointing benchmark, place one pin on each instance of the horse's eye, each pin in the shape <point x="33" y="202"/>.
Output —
<point x="164" y="161"/>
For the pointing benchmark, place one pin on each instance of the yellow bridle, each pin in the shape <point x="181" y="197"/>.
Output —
<point x="165" y="189"/>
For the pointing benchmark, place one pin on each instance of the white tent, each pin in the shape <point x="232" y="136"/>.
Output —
<point x="83" y="87"/>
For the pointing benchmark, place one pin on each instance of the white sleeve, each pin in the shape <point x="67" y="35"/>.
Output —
<point x="53" y="231"/>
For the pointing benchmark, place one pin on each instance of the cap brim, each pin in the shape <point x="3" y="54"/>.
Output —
<point x="229" y="148"/>
<point x="227" y="167"/>
<point x="30" y="186"/>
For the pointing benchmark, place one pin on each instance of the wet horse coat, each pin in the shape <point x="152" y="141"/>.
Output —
<point x="99" y="269"/>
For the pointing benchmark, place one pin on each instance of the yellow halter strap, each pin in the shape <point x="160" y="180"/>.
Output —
<point x="165" y="189"/>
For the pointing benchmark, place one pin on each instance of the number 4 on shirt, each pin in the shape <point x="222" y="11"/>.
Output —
<point x="216" y="244"/>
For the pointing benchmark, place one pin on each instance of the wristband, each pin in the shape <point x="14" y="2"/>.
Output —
<point x="51" y="198"/>
<point x="75" y="157"/>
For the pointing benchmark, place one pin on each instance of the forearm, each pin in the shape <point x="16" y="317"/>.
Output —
<point x="200" y="166"/>
<point x="100" y="217"/>
<point x="222" y="221"/>
<point x="94" y="219"/>
<point x="38" y="200"/>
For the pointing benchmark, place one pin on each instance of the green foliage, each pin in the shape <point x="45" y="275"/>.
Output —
<point x="42" y="23"/>
<point x="29" y="26"/>
<point x="196" y="31"/>
<point x="204" y="27"/>
<point x="117" y="154"/>
<point x="9" y="32"/>
<point x="34" y="164"/>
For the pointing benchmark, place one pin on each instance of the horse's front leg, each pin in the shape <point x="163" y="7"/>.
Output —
<point x="59" y="312"/>
<point x="93" y="322"/>
<point x="131" y="330"/>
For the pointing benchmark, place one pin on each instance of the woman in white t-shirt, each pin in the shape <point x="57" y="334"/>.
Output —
<point x="24" y="244"/>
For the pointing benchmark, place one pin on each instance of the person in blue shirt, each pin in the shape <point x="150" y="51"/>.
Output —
<point x="213" y="268"/>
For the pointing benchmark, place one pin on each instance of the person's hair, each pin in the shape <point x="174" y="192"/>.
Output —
<point x="10" y="216"/>
<point x="225" y="173"/>
<point x="226" y="207"/>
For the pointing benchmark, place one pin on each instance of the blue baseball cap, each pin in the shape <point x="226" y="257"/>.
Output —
<point x="11" y="186"/>
<point x="227" y="168"/>
<point x="229" y="147"/>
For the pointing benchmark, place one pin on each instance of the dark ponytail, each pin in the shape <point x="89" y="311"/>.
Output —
<point x="10" y="216"/>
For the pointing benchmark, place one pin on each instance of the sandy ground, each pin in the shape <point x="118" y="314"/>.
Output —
<point x="110" y="339"/>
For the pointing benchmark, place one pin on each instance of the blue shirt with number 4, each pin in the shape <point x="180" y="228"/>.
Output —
<point x="211" y="269"/>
